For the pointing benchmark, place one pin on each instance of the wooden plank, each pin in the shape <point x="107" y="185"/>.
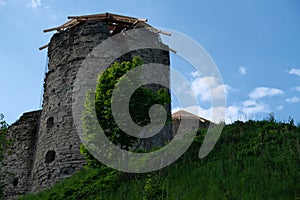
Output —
<point x="108" y="16"/>
<point x="62" y="27"/>
<point x="74" y="24"/>
<point x="124" y="19"/>
<point x="69" y="23"/>
<point x="51" y="29"/>
<point x="111" y="18"/>
<point x="121" y="16"/>
<point x="136" y="21"/>
<point x="139" y="20"/>
<point x="88" y="16"/>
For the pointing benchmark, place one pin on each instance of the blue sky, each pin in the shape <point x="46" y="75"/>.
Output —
<point x="255" y="45"/>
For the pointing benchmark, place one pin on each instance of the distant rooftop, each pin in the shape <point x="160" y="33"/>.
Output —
<point x="186" y="115"/>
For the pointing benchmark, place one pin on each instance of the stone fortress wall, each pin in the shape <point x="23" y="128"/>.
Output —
<point x="45" y="146"/>
<point x="19" y="156"/>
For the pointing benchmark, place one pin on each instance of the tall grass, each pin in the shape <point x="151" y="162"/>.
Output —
<point x="252" y="160"/>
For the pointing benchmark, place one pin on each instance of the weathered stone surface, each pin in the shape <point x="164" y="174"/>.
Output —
<point x="19" y="156"/>
<point x="66" y="52"/>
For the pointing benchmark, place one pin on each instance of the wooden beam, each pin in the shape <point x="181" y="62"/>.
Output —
<point x="165" y="33"/>
<point x="51" y="29"/>
<point x="172" y="50"/>
<point x="123" y="19"/>
<point x="74" y="20"/>
<point x="69" y="23"/>
<point x="120" y="16"/>
<point x="109" y="16"/>
<point x="64" y="26"/>
<point x="158" y="31"/>
<point x="88" y="16"/>
<point x="74" y="24"/>
<point x="139" y="20"/>
<point x="143" y="20"/>
<point x="44" y="47"/>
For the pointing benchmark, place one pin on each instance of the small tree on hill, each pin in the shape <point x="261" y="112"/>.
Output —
<point x="140" y="102"/>
<point x="3" y="141"/>
<point x="3" y="130"/>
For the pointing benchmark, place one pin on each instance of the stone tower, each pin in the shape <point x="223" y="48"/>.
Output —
<point x="52" y="144"/>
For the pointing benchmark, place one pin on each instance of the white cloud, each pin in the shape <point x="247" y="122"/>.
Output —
<point x="295" y="71"/>
<point x="2" y="3"/>
<point x="209" y="87"/>
<point x="195" y="74"/>
<point x="242" y="70"/>
<point x="247" y="110"/>
<point x="249" y="103"/>
<point x="260" y="92"/>
<point x="35" y="3"/>
<point x="49" y="10"/>
<point x="233" y="114"/>
<point x="293" y="100"/>
<point x="251" y="108"/>
<point x="297" y="88"/>
<point x="280" y="107"/>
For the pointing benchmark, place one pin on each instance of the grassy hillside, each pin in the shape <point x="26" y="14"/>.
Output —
<point x="252" y="160"/>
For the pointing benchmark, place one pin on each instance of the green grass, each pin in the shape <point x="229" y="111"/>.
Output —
<point x="252" y="160"/>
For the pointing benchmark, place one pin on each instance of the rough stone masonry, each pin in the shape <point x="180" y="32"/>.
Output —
<point x="45" y="146"/>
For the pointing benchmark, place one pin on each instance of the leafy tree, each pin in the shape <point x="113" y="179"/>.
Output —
<point x="140" y="102"/>
<point x="3" y="130"/>
<point x="3" y="141"/>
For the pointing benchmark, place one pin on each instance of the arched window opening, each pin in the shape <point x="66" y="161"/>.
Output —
<point x="50" y="122"/>
<point x="15" y="182"/>
<point x="50" y="156"/>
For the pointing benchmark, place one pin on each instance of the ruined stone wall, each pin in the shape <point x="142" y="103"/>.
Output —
<point x="19" y="156"/>
<point x="45" y="143"/>
<point x="57" y="152"/>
